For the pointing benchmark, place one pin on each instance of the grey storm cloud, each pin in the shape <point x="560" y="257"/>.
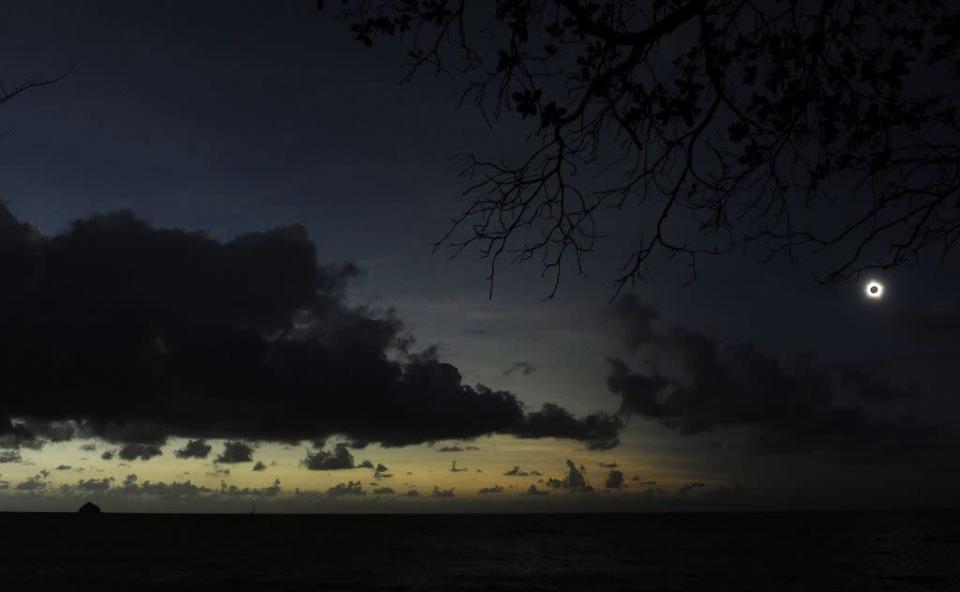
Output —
<point x="489" y="490"/>
<point x="442" y="493"/>
<point x="194" y="449"/>
<point x="384" y="491"/>
<point x="235" y="452"/>
<point x="787" y="408"/>
<point x="532" y="490"/>
<point x="247" y="339"/>
<point x="259" y="466"/>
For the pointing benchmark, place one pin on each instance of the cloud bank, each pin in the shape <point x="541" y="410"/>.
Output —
<point x="119" y="330"/>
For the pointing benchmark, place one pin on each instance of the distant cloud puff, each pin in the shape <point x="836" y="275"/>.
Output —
<point x="235" y="452"/>
<point x="194" y="449"/>
<point x="136" y="451"/>
<point x="614" y="480"/>
<point x="524" y="368"/>
<point x="349" y="488"/>
<point x="325" y="460"/>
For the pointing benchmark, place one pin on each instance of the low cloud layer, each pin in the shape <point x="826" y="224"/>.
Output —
<point x="118" y="330"/>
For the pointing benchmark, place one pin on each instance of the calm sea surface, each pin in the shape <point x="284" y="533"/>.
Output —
<point x="779" y="551"/>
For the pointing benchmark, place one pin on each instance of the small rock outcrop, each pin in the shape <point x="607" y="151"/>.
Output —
<point x="89" y="508"/>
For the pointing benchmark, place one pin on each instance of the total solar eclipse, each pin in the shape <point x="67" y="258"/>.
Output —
<point x="874" y="290"/>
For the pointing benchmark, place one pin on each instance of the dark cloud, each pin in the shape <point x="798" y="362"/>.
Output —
<point x="34" y="483"/>
<point x="574" y="481"/>
<point x="489" y="490"/>
<point x="516" y="472"/>
<point x="871" y="388"/>
<point x="107" y="455"/>
<point x="787" y="408"/>
<point x="194" y="449"/>
<point x="325" y="460"/>
<point x="443" y="493"/>
<point x="458" y="448"/>
<point x="249" y="339"/>
<point x="937" y="326"/>
<point x="169" y="491"/>
<point x="349" y="488"/>
<point x="532" y="490"/>
<point x="233" y="490"/>
<point x="88" y="486"/>
<point x="598" y="431"/>
<point x="614" y="480"/>
<point x="382" y="472"/>
<point x="10" y="456"/>
<point x="366" y="464"/>
<point x="608" y="465"/>
<point x="89" y="447"/>
<point x="384" y="491"/>
<point x="259" y="466"/>
<point x="689" y="487"/>
<point x="412" y="493"/>
<point x="235" y="452"/>
<point x="524" y="368"/>
<point x="134" y="451"/>
<point x="63" y="468"/>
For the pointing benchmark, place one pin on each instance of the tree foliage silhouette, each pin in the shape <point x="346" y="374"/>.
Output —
<point x="822" y="128"/>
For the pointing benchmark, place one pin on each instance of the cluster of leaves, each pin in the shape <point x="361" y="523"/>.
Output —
<point x="749" y="115"/>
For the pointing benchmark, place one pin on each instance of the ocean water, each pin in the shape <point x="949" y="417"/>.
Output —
<point x="762" y="551"/>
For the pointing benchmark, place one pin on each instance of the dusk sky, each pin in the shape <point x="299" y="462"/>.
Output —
<point x="234" y="205"/>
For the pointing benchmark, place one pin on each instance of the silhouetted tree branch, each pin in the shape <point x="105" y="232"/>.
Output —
<point x="823" y="127"/>
<point x="7" y="93"/>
